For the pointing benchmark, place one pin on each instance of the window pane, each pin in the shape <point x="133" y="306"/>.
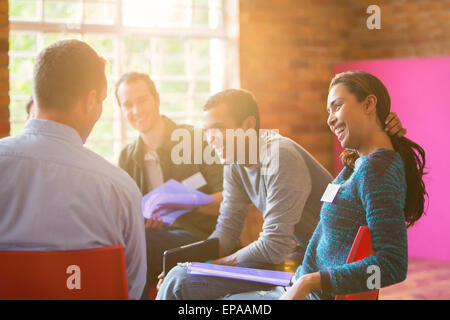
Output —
<point x="173" y="67"/>
<point x="18" y="110"/>
<point x="21" y="68"/>
<point x="103" y="148"/>
<point x="25" y="10"/>
<point x="139" y="63"/>
<point x="99" y="12"/>
<point x="136" y="44"/>
<point x="173" y="87"/>
<point x="200" y="16"/>
<point x="199" y="103"/>
<point x="50" y="38"/>
<point x="136" y="13"/>
<point x="150" y="13"/>
<point x="202" y="69"/>
<point x="202" y="87"/>
<point x="108" y="107"/>
<point x="103" y="130"/>
<point x="17" y="127"/>
<point x="20" y="87"/>
<point x="63" y="11"/>
<point x="137" y="51"/>
<point x="173" y="46"/>
<point x="22" y="42"/>
<point x="173" y="16"/>
<point x="200" y="47"/>
<point x="101" y="43"/>
<point x="173" y="104"/>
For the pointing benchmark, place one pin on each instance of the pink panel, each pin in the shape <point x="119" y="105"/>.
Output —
<point x="420" y="95"/>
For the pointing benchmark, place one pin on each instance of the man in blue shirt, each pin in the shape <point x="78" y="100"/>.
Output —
<point x="54" y="193"/>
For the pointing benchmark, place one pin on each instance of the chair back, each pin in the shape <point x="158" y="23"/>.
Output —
<point x="67" y="275"/>
<point x="361" y="248"/>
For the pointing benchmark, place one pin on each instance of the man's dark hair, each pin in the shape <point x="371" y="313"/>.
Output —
<point x="136" y="76"/>
<point x="64" y="72"/>
<point x="240" y="103"/>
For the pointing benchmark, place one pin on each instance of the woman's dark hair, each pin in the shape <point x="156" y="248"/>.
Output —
<point x="361" y="84"/>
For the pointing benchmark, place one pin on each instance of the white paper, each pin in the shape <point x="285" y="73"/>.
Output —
<point x="330" y="193"/>
<point x="196" y="181"/>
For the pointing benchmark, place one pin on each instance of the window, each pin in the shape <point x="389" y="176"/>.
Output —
<point x="189" y="48"/>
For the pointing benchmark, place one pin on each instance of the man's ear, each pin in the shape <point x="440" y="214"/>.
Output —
<point x="371" y="104"/>
<point x="157" y="101"/>
<point x="249" y="123"/>
<point x="90" y="100"/>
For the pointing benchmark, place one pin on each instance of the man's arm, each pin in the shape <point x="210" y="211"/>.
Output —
<point x="213" y="207"/>
<point x="287" y="192"/>
<point x="233" y="211"/>
<point x="213" y="174"/>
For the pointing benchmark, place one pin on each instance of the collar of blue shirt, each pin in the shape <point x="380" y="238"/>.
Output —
<point x="53" y="129"/>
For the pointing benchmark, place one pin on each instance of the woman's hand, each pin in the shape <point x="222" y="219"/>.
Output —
<point x="394" y="126"/>
<point x="302" y="287"/>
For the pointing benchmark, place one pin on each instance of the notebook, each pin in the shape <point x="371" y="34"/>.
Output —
<point x="277" y="278"/>
<point x="199" y="251"/>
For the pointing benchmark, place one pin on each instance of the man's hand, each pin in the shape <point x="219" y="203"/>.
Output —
<point x="154" y="222"/>
<point x="230" y="260"/>
<point x="394" y="126"/>
<point x="160" y="281"/>
<point x="302" y="287"/>
<point x="213" y="207"/>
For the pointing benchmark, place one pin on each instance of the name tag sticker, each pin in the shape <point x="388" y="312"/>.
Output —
<point x="330" y="193"/>
<point x="196" y="181"/>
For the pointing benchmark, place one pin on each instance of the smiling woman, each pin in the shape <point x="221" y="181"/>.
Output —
<point x="185" y="45"/>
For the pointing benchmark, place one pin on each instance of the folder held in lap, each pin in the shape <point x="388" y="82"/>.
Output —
<point x="277" y="278"/>
<point x="198" y="251"/>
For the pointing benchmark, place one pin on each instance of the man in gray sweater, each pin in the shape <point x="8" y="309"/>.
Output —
<point x="284" y="182"/>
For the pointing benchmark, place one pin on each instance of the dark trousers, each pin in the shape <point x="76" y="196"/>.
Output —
<point x="159" y="241"/>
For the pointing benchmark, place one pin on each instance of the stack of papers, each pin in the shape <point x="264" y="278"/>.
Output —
<point x="171" y="200"/>
<point x="277" y="278"/>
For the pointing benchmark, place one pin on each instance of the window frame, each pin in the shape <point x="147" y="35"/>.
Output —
<point x="227" y="33"/>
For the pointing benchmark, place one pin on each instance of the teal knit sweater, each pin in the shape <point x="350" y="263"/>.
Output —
<point x="372" y="194"/>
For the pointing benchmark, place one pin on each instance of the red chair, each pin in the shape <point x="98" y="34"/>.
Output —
<point x="68" y="275"/>
<point x="361" y="248"/>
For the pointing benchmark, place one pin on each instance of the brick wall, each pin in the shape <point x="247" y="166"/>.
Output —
<point x="412" y="28"/>
<point x="4" y="73"/>
<point x="287" y="49"/>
